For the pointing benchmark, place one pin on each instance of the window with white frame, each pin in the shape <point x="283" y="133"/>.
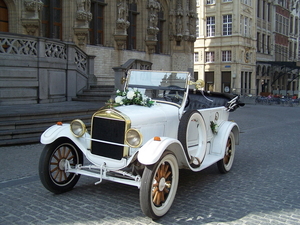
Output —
<point x="209" y="57"/>
<point x="241" y="24"/>
<point x="283" y="3"/>
<point x="250" y="28"/>
<point x="210" y="26"/>
<point x="226" y="56"/>
<point x="209" y="2"/>
<point x="247" y="2"/>
<point x="296" y="25"/>
<point x="227" y="0"/>
<point x="286" y="26"/>
<point x="197" y="27"/>
<point x="227" y="25"/>
<point x="246" y="26"/>
<point x="196" y="56"/>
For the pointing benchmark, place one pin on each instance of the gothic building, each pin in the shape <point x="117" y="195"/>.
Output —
<point x="105" y="33"/>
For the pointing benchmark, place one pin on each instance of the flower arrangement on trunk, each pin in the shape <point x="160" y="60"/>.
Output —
<point x="132" y="97"/>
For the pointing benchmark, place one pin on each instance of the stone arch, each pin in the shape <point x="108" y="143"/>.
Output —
<point x="13" y="24"/>
<point x="268" y="71"/>
<point x="165" y="38"/>
<point x="4" y="12"/>
<point x="263" y="71"/>
<point x="258" y="71"/>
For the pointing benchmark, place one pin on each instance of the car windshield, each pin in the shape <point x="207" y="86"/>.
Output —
<point x="160" y="85"/>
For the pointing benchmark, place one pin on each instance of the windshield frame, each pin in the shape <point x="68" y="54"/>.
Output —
<point x="155" y="85"/>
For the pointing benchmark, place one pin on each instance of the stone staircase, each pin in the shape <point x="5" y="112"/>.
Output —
<point x="96" y="93"/>
<point x="26" y="126"/>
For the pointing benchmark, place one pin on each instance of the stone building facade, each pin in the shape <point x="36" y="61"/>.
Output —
<point x="250" y="47"/>
<point x="225" y="48"/>
<point x="113" y="31"/>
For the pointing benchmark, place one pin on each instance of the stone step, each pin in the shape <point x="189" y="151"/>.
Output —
<point x="97" y="93"/>
<point x="26" y="125"/>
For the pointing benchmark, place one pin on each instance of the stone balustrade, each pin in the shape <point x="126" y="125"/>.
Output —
<point x="41" y="70"/>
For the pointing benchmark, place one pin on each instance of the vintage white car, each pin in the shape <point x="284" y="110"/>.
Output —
<point x="161" y="122"/>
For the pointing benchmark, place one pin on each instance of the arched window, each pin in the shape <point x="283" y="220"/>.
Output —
<point x="97" y="24"/>
<point x="3" y="17"/>
<point x="159" y="47"/>
<point x="52" y="19"/>
<point x="131" y="31"/>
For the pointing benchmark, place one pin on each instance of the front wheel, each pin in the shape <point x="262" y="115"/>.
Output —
<point x="159" y="186"/>
<point x="52" y="165"/>
<point x="225" y="164"/>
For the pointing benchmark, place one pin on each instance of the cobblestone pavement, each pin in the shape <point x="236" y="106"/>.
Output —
<point x="262" y="187"/>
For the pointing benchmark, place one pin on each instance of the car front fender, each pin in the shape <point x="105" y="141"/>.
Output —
<point x="58" y="131"/>
<point x="151" y="152"/>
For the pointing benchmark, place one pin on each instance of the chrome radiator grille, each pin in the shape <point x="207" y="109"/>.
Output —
<point x="111" y="130"/>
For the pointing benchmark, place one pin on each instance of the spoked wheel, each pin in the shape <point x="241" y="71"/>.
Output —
<point x="225" y="164"/>
<point x="159" y="186"/>
<point x="52" y="165"/>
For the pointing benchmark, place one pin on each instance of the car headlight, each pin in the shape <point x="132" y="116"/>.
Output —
<point x="78" y="128"/>
<point x="133" y="138"/>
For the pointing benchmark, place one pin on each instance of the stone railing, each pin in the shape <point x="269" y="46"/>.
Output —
<point x="121" y="71"/>
<point x="40" y="70"/>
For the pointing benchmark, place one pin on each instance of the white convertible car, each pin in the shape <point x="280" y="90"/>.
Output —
<point x="161" y="122"/>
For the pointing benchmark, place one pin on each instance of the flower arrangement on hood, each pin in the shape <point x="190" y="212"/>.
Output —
<point x="132" y="96"/>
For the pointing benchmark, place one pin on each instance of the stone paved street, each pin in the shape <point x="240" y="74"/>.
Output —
<point x="263" y="186"/>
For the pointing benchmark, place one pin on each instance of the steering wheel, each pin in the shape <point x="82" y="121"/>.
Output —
<point x="173" y="95"/>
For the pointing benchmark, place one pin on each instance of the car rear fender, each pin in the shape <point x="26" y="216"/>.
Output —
<point x="224" y="130"/>
<point x="58" y="131"/>
<point x="151" y="152"/>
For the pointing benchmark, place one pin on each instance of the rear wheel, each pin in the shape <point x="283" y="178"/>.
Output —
<point x="52" y="165"/>
<point x="159" y="186"/>
<point x="225" y="164"/>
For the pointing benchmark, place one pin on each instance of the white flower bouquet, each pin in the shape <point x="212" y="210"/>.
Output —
<point x="132" y="97"/>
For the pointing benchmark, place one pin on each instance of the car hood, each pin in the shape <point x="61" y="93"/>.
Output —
<point x="156" y="114"/>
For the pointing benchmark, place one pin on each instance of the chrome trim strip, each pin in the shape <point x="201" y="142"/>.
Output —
<point x="107" y="142"/>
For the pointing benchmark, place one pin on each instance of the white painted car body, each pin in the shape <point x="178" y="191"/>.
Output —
<point x="159" y="129"/>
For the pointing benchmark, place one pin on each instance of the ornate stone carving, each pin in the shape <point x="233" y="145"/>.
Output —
<point x="151" y="46"/>
<point x="33" y="5"/>
<point x="18" y="46"/>
<point x="122" y="10"/>
<point x="30" y="28"/>
<point x="120" y="41"/>
<point x="192" y="27"/>
<point x="122" y="23"/>
<point x="84" y="10"/>
<point x="55" y="50"/>
<point x="152" y="30"/>
<point x="179" y="21"/>
<point x="82" y="36"/>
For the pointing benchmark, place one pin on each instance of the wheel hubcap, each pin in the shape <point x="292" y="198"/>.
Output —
<point x="61" y="164"/>
<point x="57" y="164"/>
<point x="161" y="184"/>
